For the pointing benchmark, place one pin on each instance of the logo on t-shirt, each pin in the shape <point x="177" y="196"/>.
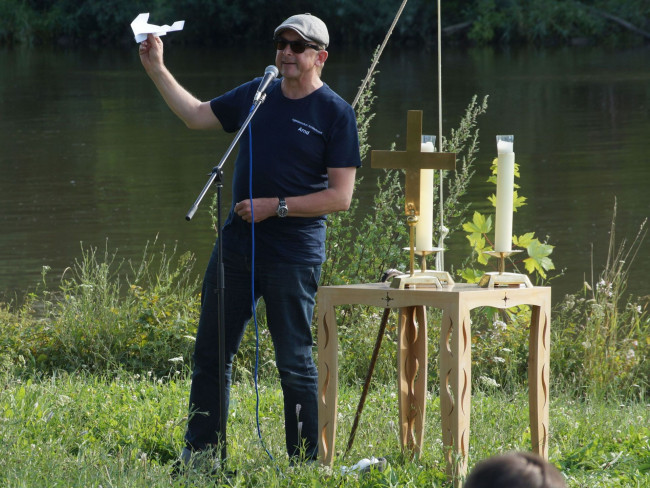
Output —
<point x="306" y="128"/>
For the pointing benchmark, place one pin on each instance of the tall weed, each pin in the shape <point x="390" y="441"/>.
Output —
<point x="364" y="243"/>
<point x="601" y="340"/>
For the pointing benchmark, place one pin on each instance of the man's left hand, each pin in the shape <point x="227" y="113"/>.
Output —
<point x="262" y="208"/>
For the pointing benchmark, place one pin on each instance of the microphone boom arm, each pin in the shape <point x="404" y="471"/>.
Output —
<point x="216" y="171"/>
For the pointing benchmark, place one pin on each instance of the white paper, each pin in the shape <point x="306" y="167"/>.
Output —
<point x="141" y="27"/>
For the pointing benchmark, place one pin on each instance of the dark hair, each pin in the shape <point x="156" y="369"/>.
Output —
<point x="515" y="470"/>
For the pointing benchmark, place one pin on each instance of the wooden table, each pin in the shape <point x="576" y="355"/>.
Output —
<point x="455" y="361"/>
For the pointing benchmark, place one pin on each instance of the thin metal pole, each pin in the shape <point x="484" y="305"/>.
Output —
<point x="218" y="167"/>
<point x="440" y="256"/>
<point x="376" y="59"/>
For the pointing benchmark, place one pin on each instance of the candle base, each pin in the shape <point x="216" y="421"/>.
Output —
<point x="423" y="279"/>
<point x="500" y="278"/>
<point x="494" y="280"/>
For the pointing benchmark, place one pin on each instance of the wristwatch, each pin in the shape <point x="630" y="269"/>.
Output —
<point x="282" y="210"/>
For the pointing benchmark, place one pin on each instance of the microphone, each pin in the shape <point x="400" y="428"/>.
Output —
<point x="270" y="73"/>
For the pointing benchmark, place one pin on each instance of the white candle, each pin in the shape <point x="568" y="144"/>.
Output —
<point x="424" y="226"/>
<point x="505" y="189"/>
<point x="504" y="147"/>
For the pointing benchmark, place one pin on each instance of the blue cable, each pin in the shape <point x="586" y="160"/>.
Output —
<point x="257" y="334"/>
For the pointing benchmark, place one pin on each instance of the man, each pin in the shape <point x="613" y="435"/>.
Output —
<point x="303" y="150"/>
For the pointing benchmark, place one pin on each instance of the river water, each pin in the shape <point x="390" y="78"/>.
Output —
<point x="89" y="153"/>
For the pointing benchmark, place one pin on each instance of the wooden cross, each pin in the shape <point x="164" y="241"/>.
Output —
<point x="412" y="161"/>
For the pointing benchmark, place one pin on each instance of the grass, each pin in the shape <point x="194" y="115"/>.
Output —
<point x="86" y="430"/>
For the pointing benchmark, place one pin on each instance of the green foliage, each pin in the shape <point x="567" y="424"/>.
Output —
<point x="226" y="21"/>
<point x="537" y="263"/>
<point x="549" y="21"/>
<point x="16" y="22"/>
<point x="94" y="322"/>
<point x="363" y="108"/>
<point x="463" y="141"/>
<point x="602" y="337"/>
<point x="477" y="230"/>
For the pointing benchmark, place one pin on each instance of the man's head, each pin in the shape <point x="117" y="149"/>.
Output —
<point x="515" y="470"/>
<point x="301" y="42"/>
<point x="310" y="28"/>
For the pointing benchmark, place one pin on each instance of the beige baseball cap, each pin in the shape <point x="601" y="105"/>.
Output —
<point x="310" y="27"/>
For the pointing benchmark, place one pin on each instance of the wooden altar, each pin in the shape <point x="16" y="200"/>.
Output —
<point x="456" y="302"/>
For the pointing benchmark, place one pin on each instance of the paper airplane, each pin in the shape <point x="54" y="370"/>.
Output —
<point x="141" y="27"/>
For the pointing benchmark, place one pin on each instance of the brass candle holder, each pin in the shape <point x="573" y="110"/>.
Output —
<point x="501" y="278"/>
<point x="412" y="161"/>
<point x="422" y="278"/>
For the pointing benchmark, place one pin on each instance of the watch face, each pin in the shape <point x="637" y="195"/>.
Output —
<point x="282" y="210"/>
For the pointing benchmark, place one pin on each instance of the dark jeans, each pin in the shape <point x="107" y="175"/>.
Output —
<point x="288" y="291"/>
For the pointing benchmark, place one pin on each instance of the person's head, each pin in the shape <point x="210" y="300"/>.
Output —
<point x="301" y="43"/>
<point x="515" y="470"/>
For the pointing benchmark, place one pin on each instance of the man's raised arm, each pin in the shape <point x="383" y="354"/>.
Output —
<point x="195" y="114"/>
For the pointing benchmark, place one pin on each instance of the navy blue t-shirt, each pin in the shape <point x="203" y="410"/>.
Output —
<point x="293" y="144"/>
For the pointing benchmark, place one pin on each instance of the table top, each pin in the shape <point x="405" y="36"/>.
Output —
<point x="382" y="295"/>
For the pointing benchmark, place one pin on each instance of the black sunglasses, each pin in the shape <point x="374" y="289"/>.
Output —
<point x="296" y="46"/>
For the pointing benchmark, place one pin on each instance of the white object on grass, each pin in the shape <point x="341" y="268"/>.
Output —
<point x="364" y="465"/>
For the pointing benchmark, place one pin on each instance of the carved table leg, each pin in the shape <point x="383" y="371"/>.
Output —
<point x="538" y="377"/>
<point x="327" y="380"/>
<point x="412" y="377"/>
<point x="455" y="388"/>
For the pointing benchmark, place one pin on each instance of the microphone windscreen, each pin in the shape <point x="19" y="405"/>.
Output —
<point x="271" y="69"/>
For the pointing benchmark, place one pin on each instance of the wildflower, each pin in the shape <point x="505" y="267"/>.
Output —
<point x="489" y="381"/>
<point x="178" y="359"/>
<point x="498" y="359"/>
<point x="605" y="287"/>
<point x="500" y="324"/>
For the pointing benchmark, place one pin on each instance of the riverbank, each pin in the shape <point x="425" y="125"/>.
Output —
<point x="96" y="377"/>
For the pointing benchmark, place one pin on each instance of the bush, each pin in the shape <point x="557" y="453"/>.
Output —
<point x="94" y="322"/>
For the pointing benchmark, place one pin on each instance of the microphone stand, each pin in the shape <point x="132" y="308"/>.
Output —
<point x="216" y="177"/>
